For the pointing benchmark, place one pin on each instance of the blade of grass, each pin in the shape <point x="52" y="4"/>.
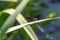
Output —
<point x="8" y="23"/>
<point x="10" y="0"/>
<point x="22" y="20"/>
<point x="18" y="18"/>
<point x="30" y="23"/>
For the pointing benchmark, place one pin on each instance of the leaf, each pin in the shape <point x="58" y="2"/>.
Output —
<point x="30" y="23"/>
<point x="10" y="0"/>
<point x="8" y="23"/>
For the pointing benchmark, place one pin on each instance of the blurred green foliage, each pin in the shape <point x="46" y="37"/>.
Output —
<point x="3" y="17"/>
<point x="33" y="9"/>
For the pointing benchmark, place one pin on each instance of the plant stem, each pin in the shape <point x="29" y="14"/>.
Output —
<point x="8" y="23"/>
<point x="18" y="9"/>
<point x="28" y="28"/>
<point x="10" y="0"/>
<point x="30" y="23"/>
